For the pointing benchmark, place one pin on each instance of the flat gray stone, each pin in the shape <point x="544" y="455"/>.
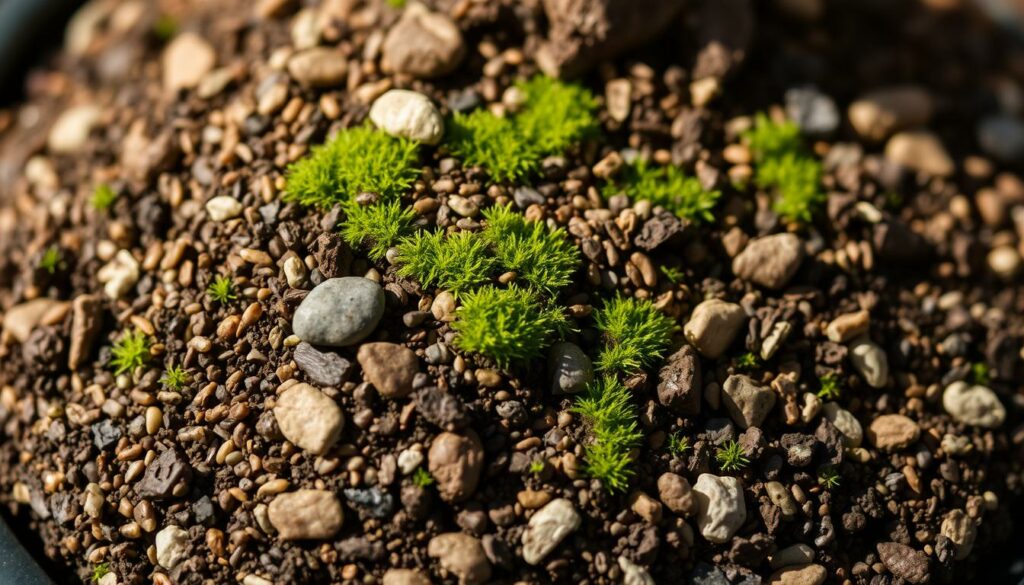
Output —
<point x="339" y="312"/>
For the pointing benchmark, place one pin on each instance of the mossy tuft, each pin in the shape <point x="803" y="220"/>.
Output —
<point x="484" y="140"/>
<point x="731" y="457"/>
<point x="376" y="227"/>
<point x="635" y="334"/>
<point x="542" y="258"/>
<point x="613" y="432"/>
<point x="829" y="387"/>
<point x="222" y="290"/>
<point x="456" y="262"/>
<point x="51" y="261"/>
<point x="356" y="160"/>
<point x="555" y="114"/>
<point x="103" y="197"/>
<point x="667" y="186"/>
<point x="422" y="478"/>
<point x="175" y="378"/>
<point x="507" y="325"/>
<point x="785" y="166"/>
<point x="828" y="477"/>
<point x="130" y="352"/>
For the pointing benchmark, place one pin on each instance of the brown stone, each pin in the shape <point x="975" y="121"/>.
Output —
<point x="456" y="461"/>
<point x="306" y="515"/>
<point x="389" y="367"/>
<point x="892" y="432"/>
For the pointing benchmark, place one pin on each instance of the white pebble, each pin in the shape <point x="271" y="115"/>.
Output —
<point x="223" y="208"/>
<point x="408" y="114"/>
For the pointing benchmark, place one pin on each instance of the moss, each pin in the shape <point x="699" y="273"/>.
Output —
<point x="784" y="166"/>
<point x="221" y="290"/>
<point x="678" y="444"/>
<point x="556" y="114"/>
<point x="377" y="227"/>
<point x="356" y="160"/>
<point x="635" y="334"/>
<point x="613" y="432"/>
<point x="674" y="275"/>
<point x="130" y="352"/>
<point x="747" y="361"/>
<point x="829" y="388"/>
<point x="536" y="467"/>
<point x="731" y="457"/>
<point x="828" y="477"/>
<point x="981" y="374"/>
<point x="455" y="262"/>
<point x="542" y="258"/>
<point x="165" y="27"/>
<point x="51" y="261"/>
<point x="422" y="478"/>
<point x="667" y="186"/>
<point x="484" y="140"/>
<point x="175" y="378"/>
<point x="506" y="325"/>
<point x="99" y="571"/>
<point x="103" y="197"/>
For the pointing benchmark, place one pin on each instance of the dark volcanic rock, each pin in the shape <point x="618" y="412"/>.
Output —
<point x="167" y="470"/>
<point x="679" y="384"/>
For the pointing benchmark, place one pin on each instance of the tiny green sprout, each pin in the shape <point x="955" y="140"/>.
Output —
<point x="731" y="457"/>
<point x="830" y="389"/>
<point x="673" y="274"/>
<point x="103" y="197"/>
<point x="165" y="27"/>
<point x="747" y="361"/>
<point x="422" y="478"/>
<point x="828" y="477"/>
<point x="130" y="352"/>
<point x="222" y="290"/>
<point x="678" y="444"/>
<point x="981" y="374"/>
<point x="51" y="262"/>
<point x="174" y="378"/>
<point x="536" y="466"/>
<point x="399" y="4"/>
<point x="99" y="571"/>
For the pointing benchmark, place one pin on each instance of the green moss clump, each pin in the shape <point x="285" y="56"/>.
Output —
<point x="175" y="378"/>
<point x="506" y="325"/>
<point x="51" y="261"/>
<point x="484" y="140"/>
<point x="785" y="166"/>
<point x="731" y="457"/>
<point x="222" y="290"/>
<point x="356" y="160"/>
<point x="455" y="262"/>
<point x="422" y="478"/>
<point x="830" y="388"/>
<point x="635" y="333"/>
<point x="667" y="186"/>
<point x="613" y="432"/>
<point x="129" y="353"/>
<point x="556" y="114"/>
<point x="378" y="226"/>
<point x="542" y="258"/>
<point x="103" y="197"/>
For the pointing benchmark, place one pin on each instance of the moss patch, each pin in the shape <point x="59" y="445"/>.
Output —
<point x="506" y="325"/>
<point x="356" y="160"/>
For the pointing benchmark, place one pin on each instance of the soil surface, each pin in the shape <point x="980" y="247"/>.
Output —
<point x="397" y="458"/>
